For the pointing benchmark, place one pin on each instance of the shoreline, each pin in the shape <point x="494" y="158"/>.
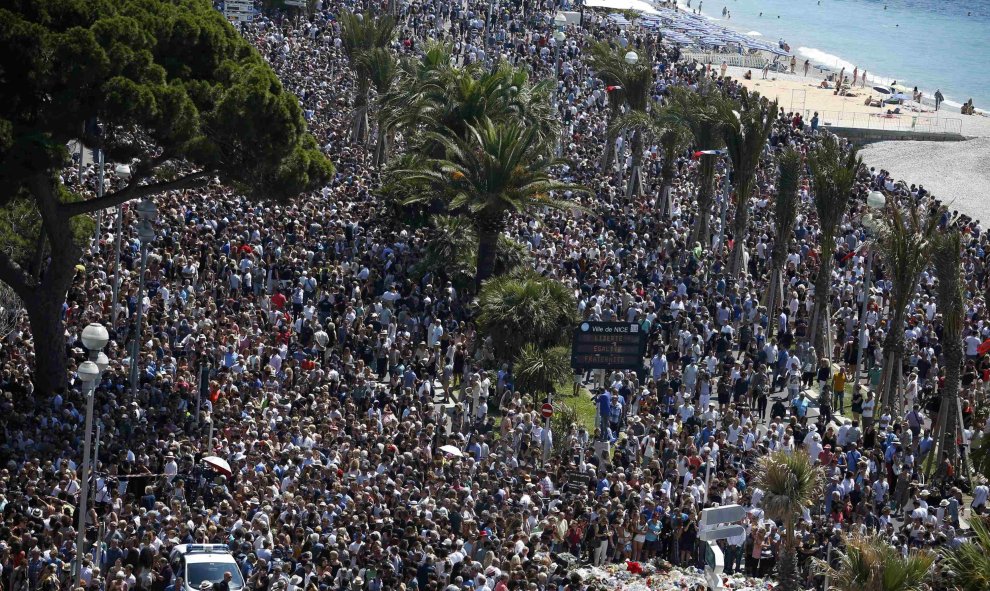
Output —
<point x="953" y="171"/>
<point x="836" y="64"/>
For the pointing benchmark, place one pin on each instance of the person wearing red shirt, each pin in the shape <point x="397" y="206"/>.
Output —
<point x="278" y="300"/>
<point x="501" y="584"/>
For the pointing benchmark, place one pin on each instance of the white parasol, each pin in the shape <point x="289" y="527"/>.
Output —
<point x="450" y="449"/>
<point x="218" y="464"/>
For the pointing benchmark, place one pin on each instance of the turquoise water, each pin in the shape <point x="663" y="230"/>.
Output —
<point x="923" y="43"/>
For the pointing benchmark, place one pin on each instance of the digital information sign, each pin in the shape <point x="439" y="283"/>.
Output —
<point x="608" y="345"/>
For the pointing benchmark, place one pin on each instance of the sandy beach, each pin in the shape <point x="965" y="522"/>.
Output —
<point x="802" y="93"/>
<point x="956" y="172"/>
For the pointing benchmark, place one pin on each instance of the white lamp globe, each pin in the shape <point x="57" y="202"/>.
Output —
<point x="95" y="337"/>
<point x="88" y="371"/>
<point x="876" y="200"/>
<point x="102" y="362"/>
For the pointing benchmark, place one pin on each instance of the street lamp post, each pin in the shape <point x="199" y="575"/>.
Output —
<point x="876" y="202"/>
<point x="634" y="186"/>
<point x="99" y="193"/>
<point x="559" y="21"/>
<point x="147" y="213"/>
<point x="94" y="338"/>
<point x="124" y="173"/>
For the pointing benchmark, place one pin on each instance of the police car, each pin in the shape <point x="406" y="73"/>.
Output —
<point x="199" y="563"/>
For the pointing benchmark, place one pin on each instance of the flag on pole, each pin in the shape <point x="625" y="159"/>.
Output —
<point x="700" y="153"/>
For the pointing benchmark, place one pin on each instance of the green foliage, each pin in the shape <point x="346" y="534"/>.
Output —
<point x="165" y="80"/>
<point x="608" y="62"/>
<point x="745" y="135"/>
<point x="510" y="255"/>
<point x="870" y="562"/>
<point x="785" y="202"/>
<point x="525" y="308"/>
<point x="833" y="174"/>
<point x="791" y="482"/>
<point x="905" y="238"/>
<point x="452" y="251"/>
<point x="360" y="33"/>
<point x="21" y="231"/>
<point x="537" y="370"/>
<point x="968" y="566"/>
<point x="701" y="112"/>
<point x="442" y="99"/>
<point x="500" y="168"/>
<point x="176" y="92"/>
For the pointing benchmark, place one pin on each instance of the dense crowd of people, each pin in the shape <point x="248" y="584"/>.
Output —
<point x="297" y="343"/>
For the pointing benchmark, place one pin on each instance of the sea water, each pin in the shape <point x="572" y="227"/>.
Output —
<point x="931" y="44"/>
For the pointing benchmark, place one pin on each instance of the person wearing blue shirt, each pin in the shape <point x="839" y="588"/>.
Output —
<point x="602" y="487"/>
<point x="604" y="401"/>
<point x="852" y="457"/>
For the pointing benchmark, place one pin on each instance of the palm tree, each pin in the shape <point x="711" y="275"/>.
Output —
<point x="791" y="482"/>
<point x="746" y="135"/>
<point x="499" y="168"/>
<point x="664" y="127"/>
<point x="871" y="563"/>
<point x="539" y="369"/>
<point x="701" y="112"/>
<point x="360" y="33"/>
<point x="632" y="84"/>
<point x="946" y="255"/>
<point x="449" y="100"/>
<point x="383" y="70"/>
<point x="833" y="174"/>
<point x="605" y="61"/>
<point x="968" y="565"/>
<point x="525" y="308"/>
<point x="785" y="212"/>
<point x="673" y="138"/>
<point x="451" y="252"/>
<point x="904" y="243"/>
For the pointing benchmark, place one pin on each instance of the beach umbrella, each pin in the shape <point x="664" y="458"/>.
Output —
<point x="881" y="89"/>
<point x="218" y="464"/>
<point x="900" y="87"/>
<point x="451" y="450"/>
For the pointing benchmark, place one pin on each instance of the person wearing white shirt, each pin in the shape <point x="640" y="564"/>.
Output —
<point x="972" y="343"/>
<point x="981" y="493"/>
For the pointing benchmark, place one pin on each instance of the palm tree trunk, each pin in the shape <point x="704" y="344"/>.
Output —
<point x="381" y="146"/>
<point x="361" y="99"/>
<point x="770" y="299"/>
<point x="488" y="232"/>
<point x="706" y="194"/>
<point x="743" y="189"/>
<point x="608" y="158"/>
<point x="818" y="322"/>
<point x="787" y="571"/>
<point x="952" y="351"/>
<point x="666" y="184"/>
<point x="894" y="353"/>
<point x="635" y="186"/>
